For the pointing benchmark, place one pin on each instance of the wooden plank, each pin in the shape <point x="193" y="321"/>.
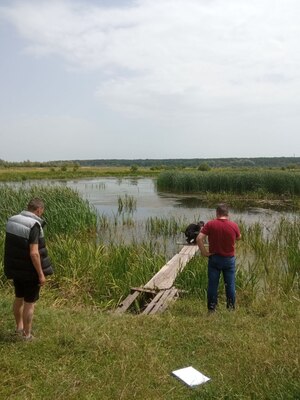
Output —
<point x="127" y="302"/>
<point x="144" y="290"/>
<point x="165" y="277"/>
<point x="164" y="301"/>
<point x="162" y="282"/>
<point x="153" y="302"/>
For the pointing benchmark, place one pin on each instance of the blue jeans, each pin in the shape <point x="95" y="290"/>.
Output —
<point x="216" y="265"/>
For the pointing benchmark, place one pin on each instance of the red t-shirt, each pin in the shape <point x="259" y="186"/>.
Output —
<point x="222" y="234"/>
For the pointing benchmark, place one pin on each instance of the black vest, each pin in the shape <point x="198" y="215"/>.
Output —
<point x="17" y="261"/>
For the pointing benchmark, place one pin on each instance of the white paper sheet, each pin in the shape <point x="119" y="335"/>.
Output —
<point x="190" y="376"/>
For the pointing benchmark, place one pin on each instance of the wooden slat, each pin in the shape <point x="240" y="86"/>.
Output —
<point x="164" y="301"/>
<point x="144" y="290"/>
<point x="127" y="302"/>
<point x="162" y="282"/>
<point x="165" y="277"/>
<point x="161" y="301"/>
<point x="153" y="302"/>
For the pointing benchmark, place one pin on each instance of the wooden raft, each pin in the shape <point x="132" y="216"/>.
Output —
<point x="159" y="291"/>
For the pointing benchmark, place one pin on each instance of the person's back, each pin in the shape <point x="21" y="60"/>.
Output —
<point x="26" y="262"/>
<point x="222" y="235"/>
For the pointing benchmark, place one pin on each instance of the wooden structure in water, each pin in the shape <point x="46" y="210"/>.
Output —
<point x="155" y="295"/>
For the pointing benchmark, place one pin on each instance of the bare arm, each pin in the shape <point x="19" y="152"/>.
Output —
<point x="36" y="261"/>
<point x="200" y="243"/>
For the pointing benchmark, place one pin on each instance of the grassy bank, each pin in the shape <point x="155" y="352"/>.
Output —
<point x="65" y="173"/>
<point x="84" y="353"/>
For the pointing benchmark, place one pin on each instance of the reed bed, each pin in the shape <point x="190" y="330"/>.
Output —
<point x="100" y="274"/>
<point x="165" y="226"/>
<point x="238" y="182"/>
<point x="90" y="272"/>
<point x="65" y="210"/>
<point x="268" y="264"/>
<point x="126" y="203"/>
<point x="100" y="269"/>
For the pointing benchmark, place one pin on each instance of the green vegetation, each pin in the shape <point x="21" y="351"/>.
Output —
<point x="126" y="203"/>
<point x="21" y="174"/>
<point x="237" y="182"/>
<point x="83" y="351"/>
<point x="69" y="214"/>
<point x="255" y="162"/>
<point x="165" y="226"/>
<point x="267" y="264"/>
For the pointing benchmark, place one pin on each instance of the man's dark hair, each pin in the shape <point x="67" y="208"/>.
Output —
<point x="222" y="209"/>
<point x="35" y="203"/>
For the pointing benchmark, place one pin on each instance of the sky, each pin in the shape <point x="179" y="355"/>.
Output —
<point x="138" y="79"/>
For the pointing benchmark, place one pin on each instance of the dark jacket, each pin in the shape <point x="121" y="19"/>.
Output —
<point x="192" y="231"/>
<point x="17" y="260"/>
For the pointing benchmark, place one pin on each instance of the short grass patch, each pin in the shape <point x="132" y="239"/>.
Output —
<point x="84" y="353"/>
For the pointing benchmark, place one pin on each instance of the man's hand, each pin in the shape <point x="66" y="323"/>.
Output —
<point x="36" y="261"/>
<point x="200" y="242"/>
<point x="205" y="252"/>
<point x="42" y="280"/>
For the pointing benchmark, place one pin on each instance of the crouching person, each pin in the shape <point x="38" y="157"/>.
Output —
<point x="26" y="262"/>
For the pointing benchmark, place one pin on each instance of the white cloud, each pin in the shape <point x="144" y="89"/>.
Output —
<point x="205" y="52"/>
<point x="176" y="60"/>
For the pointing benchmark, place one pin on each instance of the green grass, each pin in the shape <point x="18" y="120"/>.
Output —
<point x="84" y="353"/>
<point x="23" y="174"/>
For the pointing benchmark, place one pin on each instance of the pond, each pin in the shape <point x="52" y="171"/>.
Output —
<point x="103" y="194"/>
<point x="160" y="208"/>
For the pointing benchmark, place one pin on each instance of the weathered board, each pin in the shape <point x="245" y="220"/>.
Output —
<point x="161" y="301"/>
<point x="161" y="284"/>
<point x="127" y="302"/>
<point x="165" y="277"/>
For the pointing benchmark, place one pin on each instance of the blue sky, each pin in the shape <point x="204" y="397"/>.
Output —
<point x="149" y="79"/>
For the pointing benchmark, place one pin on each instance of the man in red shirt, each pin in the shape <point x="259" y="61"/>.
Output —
<point x="222" y="235"/>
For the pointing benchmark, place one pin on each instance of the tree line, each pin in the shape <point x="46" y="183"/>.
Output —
<point x="270" y="162"/>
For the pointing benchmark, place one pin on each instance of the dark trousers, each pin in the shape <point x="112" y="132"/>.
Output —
<point x="216" y="265"/>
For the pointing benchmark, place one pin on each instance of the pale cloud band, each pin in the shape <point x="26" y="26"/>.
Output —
<point x="172" y="57"/>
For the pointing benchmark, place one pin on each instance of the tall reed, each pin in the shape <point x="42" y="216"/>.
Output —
<point x="65" y="211"/>
<point x="126" y="203"/>
<point x="268" y="263"/>
<point x="239" y="182"/>
<point x="157" y="226"/>
<point x="95" y="273"/>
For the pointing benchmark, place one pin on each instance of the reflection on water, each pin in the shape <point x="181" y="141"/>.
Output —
<point x="125" y="227"/>
<point x="189" y="202"/>
<point x="103" y="194"/>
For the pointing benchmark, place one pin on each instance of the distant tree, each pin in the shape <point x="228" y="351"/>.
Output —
<point x="76" y="167"/>
<point x="134" y="168"/>
<point x="204" y="167"/>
